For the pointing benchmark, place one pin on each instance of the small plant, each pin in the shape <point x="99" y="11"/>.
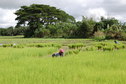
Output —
<point x="77" y="45"/>
<point x="99" y="47"/>
<point x="56" y="45"/>
<point x="119" y="46"/>
<point x="7" y="45"/>
<point x="75" y="51"/>
<point x="107" y="48"/>
<point x="91" y="48"/>
<point x="18" y="46"/>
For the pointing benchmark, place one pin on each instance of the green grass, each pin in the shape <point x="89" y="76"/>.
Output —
<point x="21" y="40"/>
<point x="90" y="67"/>
<point x="32" y="65"/>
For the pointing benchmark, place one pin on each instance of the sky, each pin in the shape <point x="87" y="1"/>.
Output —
<point x="76" y="8"/>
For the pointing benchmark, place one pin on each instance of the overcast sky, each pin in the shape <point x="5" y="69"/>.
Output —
<point x="76" y="8"/>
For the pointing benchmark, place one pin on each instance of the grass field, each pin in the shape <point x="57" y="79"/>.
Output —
<point x="32" y="65"/>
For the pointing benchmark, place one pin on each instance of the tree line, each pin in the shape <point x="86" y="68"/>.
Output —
<point x="38" y="20"/>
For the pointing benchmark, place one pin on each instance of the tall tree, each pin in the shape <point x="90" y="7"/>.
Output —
<point x="109" y="22"/>
<point x="38" y="15"/>
<point x="86" y="27"/>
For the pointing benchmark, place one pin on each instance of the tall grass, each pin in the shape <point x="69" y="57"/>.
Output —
<point x="89" y="67"/>
<point x="33" y="65"/>
<point x="13" y="53"/>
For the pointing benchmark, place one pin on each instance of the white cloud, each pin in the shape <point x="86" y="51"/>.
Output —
<point x="123" y="2"/>
<point x="77" y="8"/>
<point x="7" y="18"/>
<point x="120" y="18"/>
<point x="96" y="13"/>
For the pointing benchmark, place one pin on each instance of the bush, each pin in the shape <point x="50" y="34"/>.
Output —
<point x="56" y="45"/>
<point x="108" y="48"/>
<point x="77" y="45"/>
<point x="121" y="36"/>
<point x="99" y="35"/>
<point x="75" y="51"/>
<point x="18" y="46"/>
<point x="7" y="45"/>
<point x="99" y="47"/>
<point x="91" y="48"/>
<point x="119" y="46"/>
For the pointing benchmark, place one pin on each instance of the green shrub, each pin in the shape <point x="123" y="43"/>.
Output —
<point x="69" y="53"/>
<point x="91" y="48"/>
<point x="119" y="46"/>
<point x="39" y="45"/>
<point x="18" y="46"/>
<point x="56" y="45"/>
<point x="75" y="51"/>
<point x="77" y="45"/>
<point x="99" y="47"/>
<point x="7" y="45"/>
<point x="99" y="35"/>
<point x="107" y="48"/>
<point x="121" y="36"/>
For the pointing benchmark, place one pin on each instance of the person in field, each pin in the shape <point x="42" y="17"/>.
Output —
<point x="116" y="42"/>
<point x="55" y="55"/>
<point x="60" y="53"/>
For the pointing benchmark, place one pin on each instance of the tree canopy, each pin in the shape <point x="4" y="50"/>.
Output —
<point x="38" y="20"/>
<point x="38" y="15"/>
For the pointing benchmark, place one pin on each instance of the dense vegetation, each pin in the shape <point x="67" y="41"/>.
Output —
<point x="41" y="21"/>
<point x="86" y="61"/>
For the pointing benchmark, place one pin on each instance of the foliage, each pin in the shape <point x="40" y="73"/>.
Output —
<point x="37" y="45"/>
<point x="115" y="32"/>
<point x="109" y="22"/>
<point x="109" y="46"/>
<point x="99" y="35"/>
<point x="44" y="21"/>
<point x="37" y="15"/>
<point x="77" y="45"/>
<point x="7" y="45"/>
<point x="90" y="48"/>
<point x="86" y="28"/>
<point x="12" y="31"/>
<point x="19" y="30"/>
<point x="98" y="26"/>
<point x="18" y="46"/>
<point x="70" y="52"/>
<point x="3" y="32"/>
<point x="121" y="36"/>
<point x="62" y="30"/>
<point x="42" y="32"/>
